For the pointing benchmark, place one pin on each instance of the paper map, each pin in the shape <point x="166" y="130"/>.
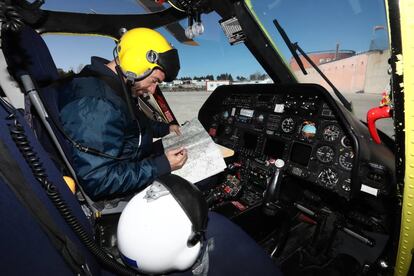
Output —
<point x="204" y="157"/>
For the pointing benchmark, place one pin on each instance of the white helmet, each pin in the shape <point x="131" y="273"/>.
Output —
<point x="162" y="227"/>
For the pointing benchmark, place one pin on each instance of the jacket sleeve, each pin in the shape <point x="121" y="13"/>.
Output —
<point x="99" y="123"/>
<point x="160" y="129"/>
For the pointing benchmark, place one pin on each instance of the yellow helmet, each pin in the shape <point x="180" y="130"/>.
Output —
<point x="141" y="50"/>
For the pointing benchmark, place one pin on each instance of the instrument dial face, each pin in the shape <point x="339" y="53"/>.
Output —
<point x="346" y="159"/>
<point x="345" y="142"/>
<point x="325" y="154"/>
<point x="331" y="133"/>
<point x="346" y="186"/>
<point x="328" y="177"/>
<point x="308" y="130"/>
<point x="288" y="125"/>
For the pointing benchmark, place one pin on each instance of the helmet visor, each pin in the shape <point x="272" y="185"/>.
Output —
<point x="170" y="64"/>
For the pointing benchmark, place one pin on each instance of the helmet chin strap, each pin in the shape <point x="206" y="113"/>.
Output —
<point x="126" y="89"/>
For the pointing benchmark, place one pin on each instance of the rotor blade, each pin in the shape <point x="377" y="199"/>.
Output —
<point x="174" y="28"/>
<point x="178" y="32"/>
<point x="150" y="5"/>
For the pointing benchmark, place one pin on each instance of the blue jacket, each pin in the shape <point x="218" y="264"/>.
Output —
<point x="93" y="115"/>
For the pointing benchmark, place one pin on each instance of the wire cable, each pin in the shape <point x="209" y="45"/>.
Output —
<point x="22" y="142"/>
<point x="175" y="7"/>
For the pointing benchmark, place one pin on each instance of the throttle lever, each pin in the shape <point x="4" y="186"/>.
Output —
<point x="272" y="193"/>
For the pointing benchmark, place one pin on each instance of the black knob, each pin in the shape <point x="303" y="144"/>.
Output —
<point x="271" y="197"/>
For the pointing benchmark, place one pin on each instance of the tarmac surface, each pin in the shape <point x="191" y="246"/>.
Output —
<point x="186" y="105"/>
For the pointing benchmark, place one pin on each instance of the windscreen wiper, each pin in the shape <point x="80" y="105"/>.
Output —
<point x="294" y="47"/>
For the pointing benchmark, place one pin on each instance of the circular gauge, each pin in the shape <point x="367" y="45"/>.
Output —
<point x="328" y="177"/>
<point x="331" y="133"/>
<point x="346" y="186"/>
<point x="325" y="154"/>
<point x="345" y="142"/>
<point x="346" y="159"/>
<point x="288" y="125"/>
<point x="308" y="130"/>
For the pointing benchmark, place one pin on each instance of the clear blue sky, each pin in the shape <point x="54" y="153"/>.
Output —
<point x="320" y="24"/>
<point x="315" y="24"/>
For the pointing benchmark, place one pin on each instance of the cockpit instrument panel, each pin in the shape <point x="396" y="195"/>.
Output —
<point x="262" y="123"/>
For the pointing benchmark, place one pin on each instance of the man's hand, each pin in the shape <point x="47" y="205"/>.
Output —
<point x="176" y="129"/>
<point x="177" y="158"/>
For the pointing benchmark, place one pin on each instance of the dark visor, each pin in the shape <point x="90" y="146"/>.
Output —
<point x="170" y="64"/>
<point x="192" y="201"/>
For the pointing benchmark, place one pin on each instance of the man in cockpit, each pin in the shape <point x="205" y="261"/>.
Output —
<point x="95" y="113"/>
<point x="114" y="155"/>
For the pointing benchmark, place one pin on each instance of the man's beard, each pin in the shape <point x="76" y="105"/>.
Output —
<point x="136" y="91"/>
<point x="139" y="93"/>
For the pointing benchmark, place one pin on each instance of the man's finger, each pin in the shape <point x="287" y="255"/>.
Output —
<point x="184" y="159"/>
<point x="176" y="150"/>
<point x="176" y="129"/>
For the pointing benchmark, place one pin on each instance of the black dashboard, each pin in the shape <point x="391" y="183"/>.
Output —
<point x="305" y="173"/>
<point x="319" y="141"/>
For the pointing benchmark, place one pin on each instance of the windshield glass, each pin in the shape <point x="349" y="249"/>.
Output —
<point x="95" y="6"/>
<point x="212" y="63"/>
<point x="348" y="40"/>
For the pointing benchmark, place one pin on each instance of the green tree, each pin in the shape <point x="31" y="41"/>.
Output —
<point x="255" y="76"/>
<point x="62" y="73"/>
<point x="225" y="76"/>
<point x="210" y="77"/>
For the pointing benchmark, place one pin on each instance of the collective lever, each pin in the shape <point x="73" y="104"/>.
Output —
<point x="271" y="197"/>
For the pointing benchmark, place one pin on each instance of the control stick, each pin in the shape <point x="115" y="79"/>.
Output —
<point x="271" y="196"/>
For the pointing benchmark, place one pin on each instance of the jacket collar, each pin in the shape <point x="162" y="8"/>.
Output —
<point x="98" y="65"/>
